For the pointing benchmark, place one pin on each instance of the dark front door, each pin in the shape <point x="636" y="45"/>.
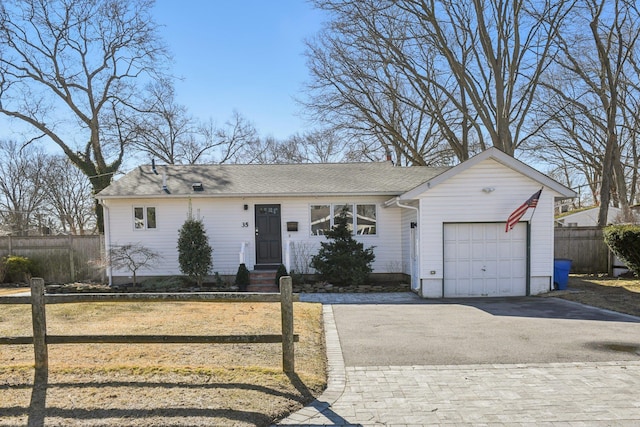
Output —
<point x="268" y="236"/>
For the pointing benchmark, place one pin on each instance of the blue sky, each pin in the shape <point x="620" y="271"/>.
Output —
<point x="240" y="55"/>
<point x="243" y="55"/>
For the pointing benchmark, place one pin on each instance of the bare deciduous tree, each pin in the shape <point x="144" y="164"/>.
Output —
<point x="235" y="142"/>
<point x="133" y="257"/>
<point x="319" y="146"/>
<point x="22" y="186"/>
<point x="432" y="80"/>
<point x="587" y="109"/>
<point x="68" y="197"/>
<point x="71" y="70"/>
<point x="166" y="131"/>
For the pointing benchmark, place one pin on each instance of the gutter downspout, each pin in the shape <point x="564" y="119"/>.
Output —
<point x="417" y="248"/>
<point x="107" y="241"/>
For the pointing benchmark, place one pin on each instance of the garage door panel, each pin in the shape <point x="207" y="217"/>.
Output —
<point x="491" y="268"/>
<point x="490" y="233"/>
<point x="491" y="246"/>
<point x="480" y="259"/>
<point x="477" y="233"/>
<point x="464" y="286"/>
<point x="504" y="285"/>
<point x="519" y="268"/>
<point x="478" y="250"/>
<point x="505" y="251"/>
<point x="477" y="269"/>
<point x="463" y="268"/>
<point x="463" y="251"/>
<point x="491" y="287"/>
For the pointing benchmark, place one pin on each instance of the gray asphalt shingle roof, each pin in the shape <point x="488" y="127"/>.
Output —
<point x="287" y="179"/>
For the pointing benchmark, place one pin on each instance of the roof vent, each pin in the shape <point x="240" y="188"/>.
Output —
<point x="197" y="186"/>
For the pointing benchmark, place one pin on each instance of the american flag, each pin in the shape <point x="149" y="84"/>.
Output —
<point x="515" y="216"/>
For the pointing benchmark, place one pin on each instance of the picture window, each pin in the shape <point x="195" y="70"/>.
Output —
<point x="364" y="222"/>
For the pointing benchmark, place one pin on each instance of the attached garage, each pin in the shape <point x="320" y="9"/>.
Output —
<point x="464" y="246"/>
<point x="481" y="260"/>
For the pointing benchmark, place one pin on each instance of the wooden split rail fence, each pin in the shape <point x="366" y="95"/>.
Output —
<point x="40" y="339"/>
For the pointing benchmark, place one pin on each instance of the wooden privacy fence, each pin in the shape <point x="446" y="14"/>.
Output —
<point x="585" y="247"/>
<point x="59" y="259"/>
<point x="41" y="339"/>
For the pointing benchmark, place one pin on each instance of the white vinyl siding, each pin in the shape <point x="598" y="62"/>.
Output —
<point x="228" y="225"/>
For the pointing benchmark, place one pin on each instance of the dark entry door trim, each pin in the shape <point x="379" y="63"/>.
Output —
<point x="268" y="236"/>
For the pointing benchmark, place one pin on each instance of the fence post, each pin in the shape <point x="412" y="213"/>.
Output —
<point x="72" y="266"/>
<point x="39" y="326"/>
<point x="286" y="302"/>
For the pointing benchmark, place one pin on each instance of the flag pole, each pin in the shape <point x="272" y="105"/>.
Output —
<point x="536" y="206"/>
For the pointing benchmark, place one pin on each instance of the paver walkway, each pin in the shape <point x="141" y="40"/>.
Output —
<point x="554" y="394"/>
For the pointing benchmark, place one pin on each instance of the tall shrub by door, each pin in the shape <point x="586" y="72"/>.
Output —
<point x="194" y="251"/>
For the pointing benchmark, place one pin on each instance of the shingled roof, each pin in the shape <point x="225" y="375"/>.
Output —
<point x="315" y="179"/>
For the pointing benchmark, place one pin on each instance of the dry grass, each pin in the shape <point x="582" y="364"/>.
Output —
<point x="10" y="291"/>
<point x="616" y="294"/>
<point x="152" y="384"/>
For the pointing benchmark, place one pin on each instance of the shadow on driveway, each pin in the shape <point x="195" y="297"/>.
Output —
<point x="403" y="329"/>
<point x="537" y="307"/>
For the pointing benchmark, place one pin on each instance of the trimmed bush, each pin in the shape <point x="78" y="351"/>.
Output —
<point x="343" y="260"/>
<point x="242" y="277"/>
<point x="624" y="241"/>
<point x="18" y="268"/>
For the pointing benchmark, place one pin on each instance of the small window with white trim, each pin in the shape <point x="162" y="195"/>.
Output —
<point x="144" y="218"/>
<point x="320" y="219"/>
<point x="366" y="221"/>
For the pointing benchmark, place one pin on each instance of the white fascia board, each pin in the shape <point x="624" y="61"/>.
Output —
<point x="244" y="195"/>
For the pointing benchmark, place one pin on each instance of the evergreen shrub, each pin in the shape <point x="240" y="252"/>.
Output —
<point x="624" y="241"/>
<point x="194" y="251"/>
<point x="343" y="260"/>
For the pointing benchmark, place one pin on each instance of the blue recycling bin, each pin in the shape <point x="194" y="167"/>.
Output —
<point x="561" y="268"/>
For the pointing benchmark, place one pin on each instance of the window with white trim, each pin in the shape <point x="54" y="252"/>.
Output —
<point x="144" y="218"/>
<point x="364" y="222"/>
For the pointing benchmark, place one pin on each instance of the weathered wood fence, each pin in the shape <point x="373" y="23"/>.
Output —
<point x="41" y="339"/>
<point x="586" y="248"/>
<point x="61" y="259"/>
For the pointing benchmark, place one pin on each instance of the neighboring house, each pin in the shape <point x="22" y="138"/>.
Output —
<point x="442" y="227"/>
<point x="588" y="217"/>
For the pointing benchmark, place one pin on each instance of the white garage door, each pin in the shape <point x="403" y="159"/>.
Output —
<point x="482" y="260"/>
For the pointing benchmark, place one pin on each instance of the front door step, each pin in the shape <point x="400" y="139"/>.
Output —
<point x="262" y="281"/>
<point x="267" y="267"/>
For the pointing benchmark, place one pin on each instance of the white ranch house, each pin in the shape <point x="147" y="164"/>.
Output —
<point x="443" y="228"/>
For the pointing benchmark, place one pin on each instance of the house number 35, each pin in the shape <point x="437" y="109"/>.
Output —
<point x="245" y="224"/>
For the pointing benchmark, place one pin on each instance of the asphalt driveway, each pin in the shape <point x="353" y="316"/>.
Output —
<point x="482" y="331"/>
<point x="395" y="359"/>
